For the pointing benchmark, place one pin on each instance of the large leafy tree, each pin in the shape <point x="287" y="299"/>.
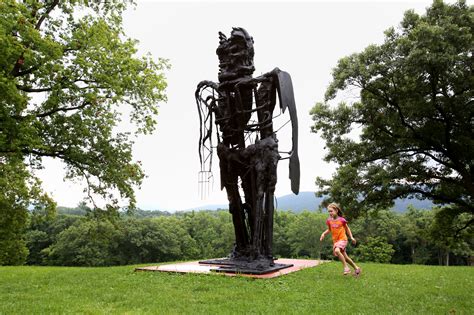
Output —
<point x="67" y="73"/>
<point x="410" y="131"/>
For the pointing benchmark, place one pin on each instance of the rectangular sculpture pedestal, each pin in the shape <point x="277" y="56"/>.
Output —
<point x="196" y="267"/>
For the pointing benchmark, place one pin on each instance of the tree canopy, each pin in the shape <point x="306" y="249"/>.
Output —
<point x="68" y="75"/>
<point x="382" y="235"/>
<point x="410" y="131"/>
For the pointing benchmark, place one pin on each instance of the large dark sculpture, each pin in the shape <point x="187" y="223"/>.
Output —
<point x="242" y="107"/>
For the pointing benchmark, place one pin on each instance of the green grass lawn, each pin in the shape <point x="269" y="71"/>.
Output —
<point x="382" y="289"/>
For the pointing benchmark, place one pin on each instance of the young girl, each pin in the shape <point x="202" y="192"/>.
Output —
<point x="338" y="227"/>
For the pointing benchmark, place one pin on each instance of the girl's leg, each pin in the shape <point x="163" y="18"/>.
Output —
<point x="356" y="268"/>
<point x="349" y="260"/>
<point x="341" y="257"/>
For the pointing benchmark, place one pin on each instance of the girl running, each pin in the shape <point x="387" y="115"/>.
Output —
<point x="338" y="227"/>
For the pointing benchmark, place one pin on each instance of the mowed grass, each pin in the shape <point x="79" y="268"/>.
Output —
<point x="381" y="289"/>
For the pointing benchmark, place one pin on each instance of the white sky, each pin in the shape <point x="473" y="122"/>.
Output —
<point x="305" y="39"/>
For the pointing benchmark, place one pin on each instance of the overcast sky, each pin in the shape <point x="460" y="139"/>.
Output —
<point x="305" y="39"/>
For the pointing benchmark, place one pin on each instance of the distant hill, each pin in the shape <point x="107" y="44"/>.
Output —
<point x="307" y="200"/>
<point x="71" y="211"/>
<point x="401" y="205"/>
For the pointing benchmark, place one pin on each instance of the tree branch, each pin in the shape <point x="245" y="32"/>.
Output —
<point x="63" y="109"/>
<point x="61" y="155"/>
<point x="46" y="14"/>
<point x="456" y="234"/>
<point x="443" y="198"/>
<point x="86" y="177"/>
<point x="49" y="89"/>
<point x="32" y="90"/>
<point x="58" y="154"/>
<point x="435" y="145"/>
<point x="28" y="71"/>
<point x="414" y="152"/>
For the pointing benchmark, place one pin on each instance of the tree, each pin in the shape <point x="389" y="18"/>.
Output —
<point x="377" y="222"/>
<point x="281" y="224"/>
<point x="43" y="231"/>
<point x="414" y="238"/>
<point x="376" y="249"/>
<point x="212" y="231"/>
<point x="13" y="217"/>
<point x="304" y="232"/>
<point x="89" y="243"/>
<point x="66" y="77"/>
<point x="451" y="235"/>
<point x="410" y="133"/>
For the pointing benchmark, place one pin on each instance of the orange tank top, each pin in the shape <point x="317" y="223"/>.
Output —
<point x="337" y="228"/>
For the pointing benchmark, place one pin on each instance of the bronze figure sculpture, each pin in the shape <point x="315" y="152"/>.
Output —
<point x="241" y="108"/>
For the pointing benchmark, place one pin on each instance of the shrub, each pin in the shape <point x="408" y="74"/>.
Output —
<point x="376" y="250"/>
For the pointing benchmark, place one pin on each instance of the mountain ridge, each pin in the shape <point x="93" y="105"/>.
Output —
<point x="307" y="200"/>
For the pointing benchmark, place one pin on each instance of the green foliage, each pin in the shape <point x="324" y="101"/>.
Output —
<point x="375" y="249"/>
<point x="418" y="236"/>
<point x="98" y="239"/>
<point x="37" y="241"/>
<point x="139" y="213"/>
<point x="91" y="243"/>
<point x="304" y="232"/>
<point x="377" y="233"/>
<point x="66" y="78"/>
<point x="72" y="211"/>
<point x="452" y="232"/>
<point x="104" y="242"/>
<point x="16" y="189"/>
<point x="411" y="131"/>
<point x="415" y="226"/>
<point x="13" y="249"/>
<point x="383" y="222"/>
<point x="281" y="242"/>
<point x="213" y="233"/>
<point x="172" y="242"/>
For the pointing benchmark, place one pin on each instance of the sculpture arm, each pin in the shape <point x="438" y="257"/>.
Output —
<point x="205" y="108"/>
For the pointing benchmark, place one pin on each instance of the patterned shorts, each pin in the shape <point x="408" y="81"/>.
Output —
<point x="339" y="244"/>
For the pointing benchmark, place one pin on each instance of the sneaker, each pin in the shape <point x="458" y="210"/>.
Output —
<point x="346" y="271"/>
<point x="358" y="271"/>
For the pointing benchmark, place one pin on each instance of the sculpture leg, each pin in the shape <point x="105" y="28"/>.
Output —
<point x="248" y="186"/>
<point x="257" y="227"/>
<point x="238" y="219"/>
<point x="229" y="181"/>
<point x="271" y="157"/>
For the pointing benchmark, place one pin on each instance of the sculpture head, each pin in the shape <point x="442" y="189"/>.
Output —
<point x="235" y="55"/>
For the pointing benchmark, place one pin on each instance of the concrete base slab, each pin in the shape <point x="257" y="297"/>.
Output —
<point x="196" y="267"/>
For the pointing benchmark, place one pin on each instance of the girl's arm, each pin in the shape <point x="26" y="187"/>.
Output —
<point x="323" y="235"/>
<point x="348" y="231"/>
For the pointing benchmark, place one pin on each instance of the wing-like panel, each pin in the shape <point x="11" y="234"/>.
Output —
<point x="287" y="100"/>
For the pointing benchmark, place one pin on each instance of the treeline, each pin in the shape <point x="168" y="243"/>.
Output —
<point x="95" y="239"/>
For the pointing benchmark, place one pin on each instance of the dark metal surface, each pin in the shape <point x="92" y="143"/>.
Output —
<point x="255" y="267"/>
<point x="238" y="113"/>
